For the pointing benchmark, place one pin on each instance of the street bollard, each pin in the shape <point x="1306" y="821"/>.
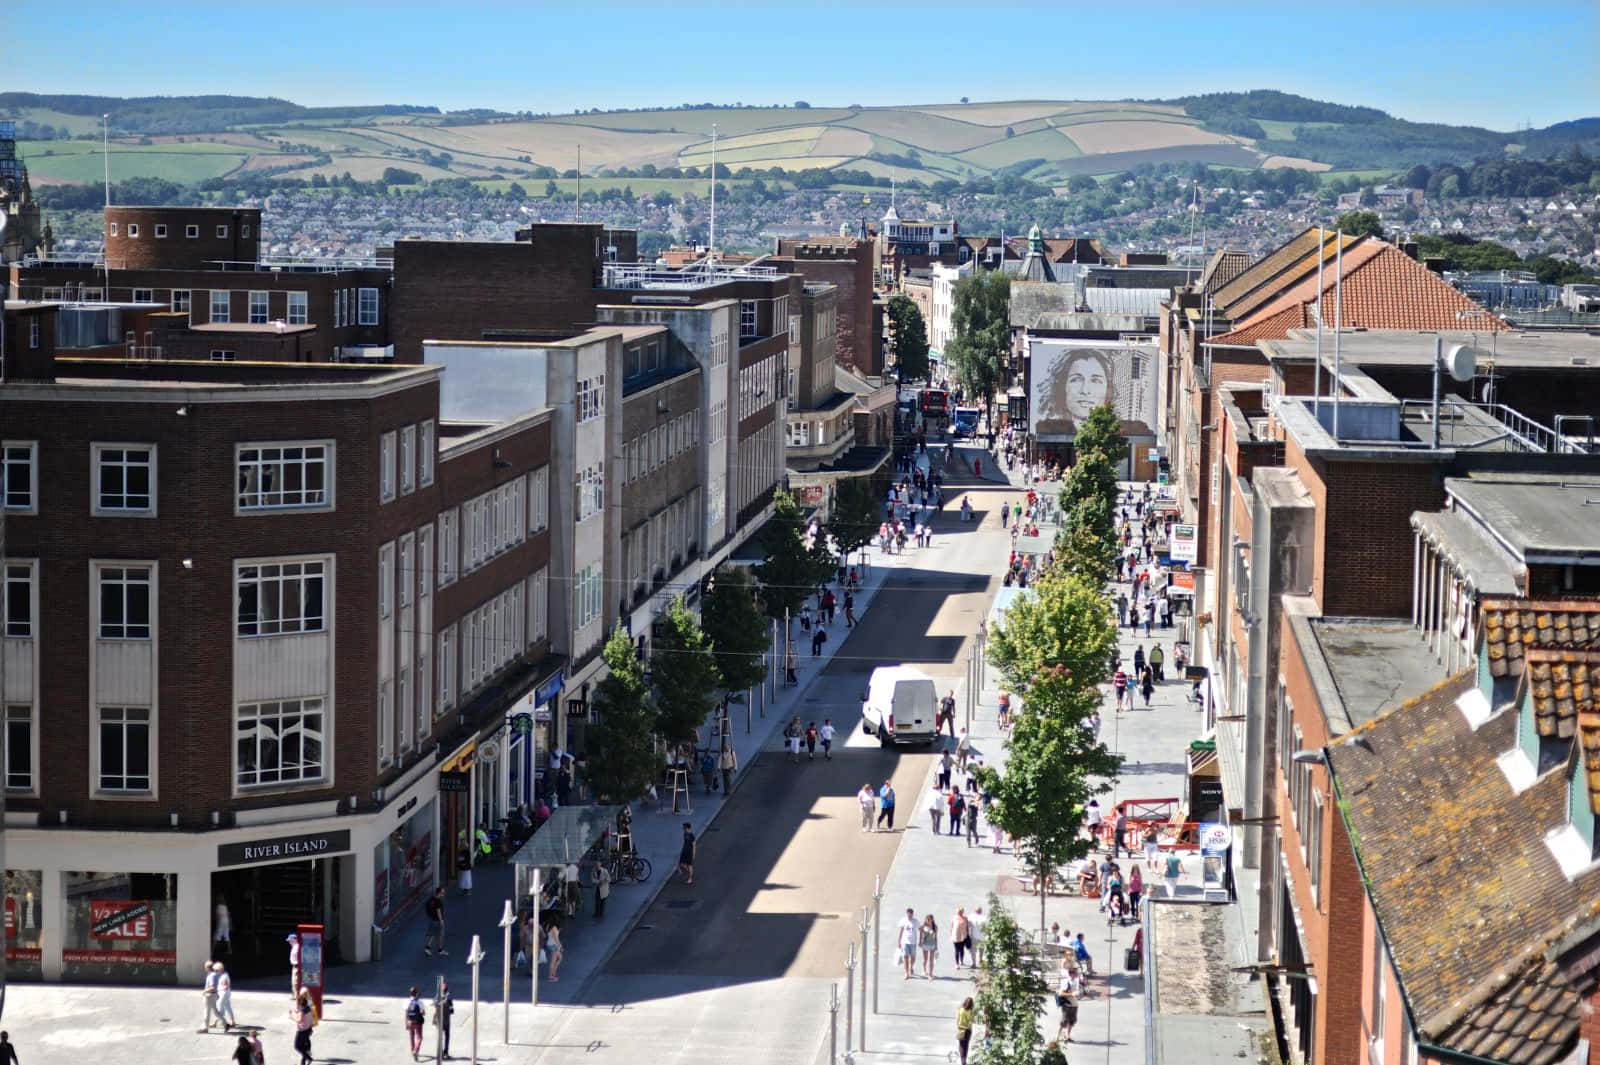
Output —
<point x="877" y="938"/>
<point x="508" y="921"/>
<point x="438" y="1016"/>
<point x="864" y="926"/>
<point x="833" y="1024"/>
<point x="849" y="995"/>
<point x="533" y="962"/>
<point x="475" y="959"/>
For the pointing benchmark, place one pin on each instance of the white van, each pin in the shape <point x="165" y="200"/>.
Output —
<point x="901" y="706"/>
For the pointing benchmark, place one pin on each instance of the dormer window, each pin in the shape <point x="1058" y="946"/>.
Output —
<point x="1573" y="844"/>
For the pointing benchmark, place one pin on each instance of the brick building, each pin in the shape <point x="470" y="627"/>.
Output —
<point x="849" y="264"/>
<point x="189" y="282"/>
<point x="250" y="612"/>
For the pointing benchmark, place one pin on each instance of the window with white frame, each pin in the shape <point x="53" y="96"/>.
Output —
<point x="221" y="303"/>
<point x="368" y="308"/>
<point x="447" y="668"/>
<point x="1314" y="847"/>
<point x="18" y="476"/>
<point x="125" y="752"/>
<point x="719" y="347"/>
<point x="144" y="295"/>
<point x="191" y="232"/>
<point x="124" y="479"/>
<point x="258" y="307"/>
<point x="180" y="300"/>
<point x="244" y="229"/>
<point x="591" y="489"/>
<point x="281" y="742"/>
<point x="385" y="580"/>
<point x="1380" y="997"/>
<point x="298" y="308"/>
<point x="112" y="227"/>
<point x="19" y="747"/>
<point x="591" y="397"/>
<point x="125" y="607"/>
<point x="449" y="545"/>
<point x="539" y="500"/>
<point x="425" y="561"/>
<point x="385" y="722"/>
<point x="285" y="476"/>
<point x="281" y="598"/>
<point x="222" y="232"/>
<point x="386" y="467"/>
<point x="747" y="319"/>
<point x="133" y="229"/>
<point x="221" y="355"/>
<point x="408" y="459"/>
<point x="427" y="452"/>
<point x="338" y="308"/>
<point x="408" y="573"/>
<point x="539" y="605"/>
<point x="35" y="334"/>
<point x="404" y="710"/>
<point x="587" y="596"/>
<point x="719" y="422"/>
<point x="161" y="230"/>
<point x="20" y="601"/>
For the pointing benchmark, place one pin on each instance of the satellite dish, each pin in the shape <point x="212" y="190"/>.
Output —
<point x="1461" y="361"/>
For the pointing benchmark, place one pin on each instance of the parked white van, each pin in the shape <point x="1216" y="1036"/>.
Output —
<point x="901" y="706"/>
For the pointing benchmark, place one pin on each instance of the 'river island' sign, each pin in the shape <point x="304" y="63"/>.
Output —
<point x="284" y="848"/>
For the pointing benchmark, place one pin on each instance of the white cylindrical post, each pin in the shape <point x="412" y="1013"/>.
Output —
<point x="533" y="962"/>
<point x="508" y="921"/>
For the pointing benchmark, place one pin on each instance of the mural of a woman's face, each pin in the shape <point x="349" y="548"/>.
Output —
<point x="1087" y="386"/>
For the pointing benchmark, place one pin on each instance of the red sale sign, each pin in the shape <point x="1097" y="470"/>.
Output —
<point x="119" y="919"/>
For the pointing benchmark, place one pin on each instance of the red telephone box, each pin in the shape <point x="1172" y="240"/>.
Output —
<point x="311" y="962"/>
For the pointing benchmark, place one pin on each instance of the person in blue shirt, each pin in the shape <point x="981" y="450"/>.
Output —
<point x="886" y="805"/>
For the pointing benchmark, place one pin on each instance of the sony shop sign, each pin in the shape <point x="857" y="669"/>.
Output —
<point x="284" y="848"/>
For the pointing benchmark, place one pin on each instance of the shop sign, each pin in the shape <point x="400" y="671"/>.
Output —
<point x="1185" y="547"/>
<point x="1183" y="581"/>
<point x="284" y="848"/>
<point x="454" y="783"/>
<point x="550" y="688"/>
<point x="489" y="752"/>
<point x="119" y="919"/>
<point x="1215" y="838"/>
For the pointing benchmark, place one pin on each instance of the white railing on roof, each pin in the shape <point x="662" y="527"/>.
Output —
<point x="696" y="275"/>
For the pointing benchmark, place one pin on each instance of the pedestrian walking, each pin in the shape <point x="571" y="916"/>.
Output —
<point x="928" y="943"/>
<point x="686" y="854"/>
<point x="304" y="1016"/>
<point x="1092" y="820"/>
<point x="209" y="993"/>
<point x="1122" y="609"/>
<point x="1119" y="836"/>
<point x="849" y="609"/>
<point x="945" y="766"/>
<point x="225" y="998"/>
<point x="819" y="636"/>
<point x="937" y="801"/>
<point x="1135" y="891"/>
<point x="1119" y="686"/>
<point x="728" y="762"/>
<point x="947" y="713"/>
<point x="964" y="1018"/>
<point x="293" y="939"/>
<point x="828" y="732"/>
<point x="443" y="1009"/>
<point x="960" y="933"/>
<point x="1068" y="989"/>
<point x="790" y="676"/>
<point x="554" y="951"/>
<point x="972" y="823"/>
<point x="1174" y="872"/>
<point x="433" y="909"/>
<point x="1138" y="660"/>
<point x="708" y="770"/>
<point x="414" y="1018"/>
<point x="258" y="1053"/>
<point x="975" y="939"/>
<point x="958" y="811"/>
<point x="906" y="942"/>
<point x="868" y="801"/>
<point x="1147" y="685"/>
<point x="811" y="741"/>
<point x="1004" y="701"/>
<point x="1158" y="658"/>
<point x="791" y="739"/>
<point x="886" y="805"/>
<point x="602" y="889"/>
<point x="242" y="1053"/>
<point x="8" y="1052"/>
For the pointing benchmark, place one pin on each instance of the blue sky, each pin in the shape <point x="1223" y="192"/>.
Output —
<point x="1492" y="64"/>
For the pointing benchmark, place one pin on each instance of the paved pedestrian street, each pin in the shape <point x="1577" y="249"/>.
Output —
<point x="740" y="966"/>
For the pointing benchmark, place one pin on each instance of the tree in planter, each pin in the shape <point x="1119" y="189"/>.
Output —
<point x="1066" y="622"/>
<point x="684" y="674"/>
<point x="980" y="350"/>
<point x="623" y="760"/>
<point x="856" y="516"/>
<point x="1053" y="767"/>
<point x="792" y="569"/>
<point x="737" y="631"/>
<point x="1011" y="994"/>
<point x="910" y="338"/>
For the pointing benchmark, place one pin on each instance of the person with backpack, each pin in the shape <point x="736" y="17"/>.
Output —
<point x="414" y="1019"/>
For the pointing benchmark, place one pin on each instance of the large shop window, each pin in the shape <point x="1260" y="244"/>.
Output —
<point x="122" y="928"/>
<point x="24" y="896"/>
<point x="403" y="867"/>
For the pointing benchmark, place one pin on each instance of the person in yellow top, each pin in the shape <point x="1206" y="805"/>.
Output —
<point x="964" y="1018"/>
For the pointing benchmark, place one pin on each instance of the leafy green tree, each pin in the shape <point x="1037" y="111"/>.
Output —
<point x="1360" y="223"/>
<point x="793" y="567"/>
<point x="737" y="630"/>
<point x="1087" y="543"/>
<point x="1091" y="477"/>
<point x="1066" y="622"/>
<point x="980" y="349"/>
<point x="856" y="515"/>
<point x="1102" y="431"/>
<point x="685" y="675"/>
<point x="1010" y="995"/>
<point x="623" y="761"/>
<point x="910" y="338"/>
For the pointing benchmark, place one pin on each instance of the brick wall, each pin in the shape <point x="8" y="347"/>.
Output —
<point x="1366" y="536"/>
<point x="859" y="346"/>
<point x="240" y="242"/>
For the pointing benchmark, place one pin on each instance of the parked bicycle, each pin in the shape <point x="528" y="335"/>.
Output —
<point x="628" y="866"/>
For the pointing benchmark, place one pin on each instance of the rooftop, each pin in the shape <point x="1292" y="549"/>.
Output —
<point x="1539" y="519"/>
<point x="1363" y="667"/>
<point x="217" y="378"/>
<point x="1413" y="347"/>
<point x="699" y="275"/>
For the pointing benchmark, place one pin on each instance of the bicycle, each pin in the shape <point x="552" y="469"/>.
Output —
<point x="628" y="866"/>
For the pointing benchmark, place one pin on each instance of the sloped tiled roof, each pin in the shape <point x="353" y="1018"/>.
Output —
<point x="1511" y="627"/>
<point x="1272" y="276"/>
<point x="1265" y="326"/>
<point x="1224" y="266"/>
<point x="1561" y="684"/>
<point x="1464" y="887"/>
<point x="1589" y="753"/>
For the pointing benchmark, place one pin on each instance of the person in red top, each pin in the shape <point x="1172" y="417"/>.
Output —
<point x="1119" y="684"/>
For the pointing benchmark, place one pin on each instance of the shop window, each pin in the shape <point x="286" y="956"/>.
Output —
<point x="403" y="869"/>
<point x="24" y="896"/>
<point x="120" y="927"/>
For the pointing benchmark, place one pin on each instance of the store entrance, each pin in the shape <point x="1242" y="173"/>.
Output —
<point x="264" y="904"/>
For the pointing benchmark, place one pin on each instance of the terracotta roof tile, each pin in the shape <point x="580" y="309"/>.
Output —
<point x="1224" y="266"/>
<point x="1277" y="273"/>
<point x="1530" y="1020"/>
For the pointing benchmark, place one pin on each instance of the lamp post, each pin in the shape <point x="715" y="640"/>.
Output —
<point x="849" y="995"/>
<point x="877" y="938"/>
<point x="866" y="923"/>
<point x="533" y="962"/>
<point x="508" y="921"/>
<point x="475" y="959"/>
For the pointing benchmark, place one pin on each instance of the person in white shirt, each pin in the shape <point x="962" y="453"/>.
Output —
<point x="868" y="799"/>
<point x="976" y="946"/>
<point x="827" y="739"/>
<point x="1092" y="819"/>
<point x="906" y="941"/>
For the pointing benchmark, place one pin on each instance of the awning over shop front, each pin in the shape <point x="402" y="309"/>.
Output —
<point x="1035" y="545"/>
<point x="564" y="838"/>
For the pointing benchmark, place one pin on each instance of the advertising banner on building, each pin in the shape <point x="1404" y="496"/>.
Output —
<point x="1185" y="545"/>
<point x="1069" y="378"/>
<point x="116" y="919"/>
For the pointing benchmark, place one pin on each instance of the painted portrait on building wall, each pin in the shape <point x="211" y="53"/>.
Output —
<point x="1067" y="383"/>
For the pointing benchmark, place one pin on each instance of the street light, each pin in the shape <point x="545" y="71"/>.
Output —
<point x="475" y="959"/>
<point x="508" y="920"/>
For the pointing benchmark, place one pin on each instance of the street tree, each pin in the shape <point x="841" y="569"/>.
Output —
<point x="1360" y="223"/>
<point x="1053" y="766"/>
<point x="796" y="562"/>
<point x="910" y="340"/>
<point x="737" y="630"/>
<point x="980" y="348"/>
<point x="1091" y="477"/>
<point x="1102" y="431"/>
<point x="1067" y="623"/>
<point x="684" y="674"/>
<point x="623" y="760"/>
<point x="856" y="516"/>
<point x="1087" y="544"/>
<point x="1011" y="994"/>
